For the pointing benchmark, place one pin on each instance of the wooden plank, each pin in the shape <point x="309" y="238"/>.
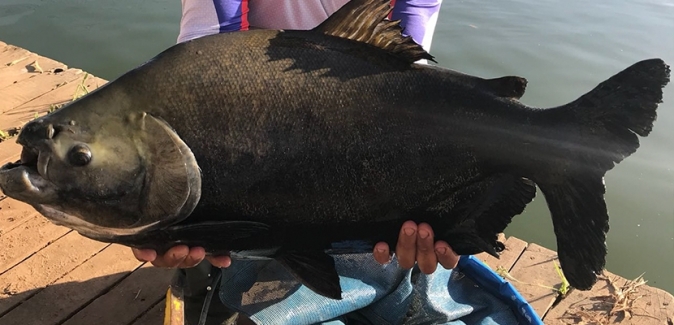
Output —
<point x="23" y="241"/>
<point x="514" y="247"/>
<point x="154" y="316"/>
<point x="29" y="67"/>
<point x="534" y="270"/>
<point x="654" y="306"/>
<point x="12" y="55"/>
<point x="9" y="151"/>
<point x="14" y="213"/>
<point x="76" y="289"/>
<point x="128" y="300"/>
<point x="20" y="115"/>
<point x="45" y="267"/>
<point x="22" y="92"/>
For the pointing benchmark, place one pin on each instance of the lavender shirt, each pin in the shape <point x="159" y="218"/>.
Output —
<point x="205" y="17"/>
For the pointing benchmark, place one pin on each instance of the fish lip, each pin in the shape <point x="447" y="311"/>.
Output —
<point x="23" y="182"/>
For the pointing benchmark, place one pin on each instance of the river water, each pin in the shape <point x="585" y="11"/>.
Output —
<point x="563" y="48"/>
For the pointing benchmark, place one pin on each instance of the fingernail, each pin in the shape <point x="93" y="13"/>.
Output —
<point x="409" y="231"/>
<point x="424" y="234"/>
<point x="381" y="250"/>
<point x="441" y="250"/>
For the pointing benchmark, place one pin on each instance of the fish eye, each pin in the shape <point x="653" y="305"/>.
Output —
<point x="79" y="155"/>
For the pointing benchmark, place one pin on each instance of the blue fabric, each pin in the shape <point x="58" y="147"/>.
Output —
<point x="229" y="14"/>
<point x="374" y="294"/>
<point x="413" y="16"/>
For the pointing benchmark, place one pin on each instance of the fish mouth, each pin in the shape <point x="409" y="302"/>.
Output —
<point x="35" y="159"/>
<point x="25" y="179"/>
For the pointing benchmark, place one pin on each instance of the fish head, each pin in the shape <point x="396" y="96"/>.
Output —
<point x="103" y="174"/>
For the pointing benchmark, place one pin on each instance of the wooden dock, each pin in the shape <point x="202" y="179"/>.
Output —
<point x="50" y="275"/>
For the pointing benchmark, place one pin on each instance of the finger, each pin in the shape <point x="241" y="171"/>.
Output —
<point x="381" y="253"/>
<point x="406" y="248"/>
<point x="173" y="257"/>
<point x="194" y="257"/>
<point x="221" y="261"/>
<point x="446" y="255"/>
<point x="426" y="258"/>
<point x="144" y="255"/>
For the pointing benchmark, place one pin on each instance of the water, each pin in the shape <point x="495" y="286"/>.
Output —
<point x="563" y="48"/>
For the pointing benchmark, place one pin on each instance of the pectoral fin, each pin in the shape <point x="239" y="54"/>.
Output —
<point x="221" y="237"/>
<point x="232" y="230"/>
<point x="215" y="237"/>
<point x="315" y="270"/>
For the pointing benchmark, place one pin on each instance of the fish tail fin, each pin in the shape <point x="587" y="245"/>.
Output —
<point x="580" y="219"/>
<point x="605" y="123"/>
<point x="618" y="109"/>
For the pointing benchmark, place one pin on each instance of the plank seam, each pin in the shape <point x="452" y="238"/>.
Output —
<point x="102" y="293"/>
<point x="67" y="81"/>
<point x="78" y="265"/>
<point x="38" y="290"/>
<point x="161" y="299"/>
<point x="19" y="223"/>
<point x="76" y="76"/>
<point x="35" y="252"/>
<point x="526" y="246"/>
<point x="549" y="308"/>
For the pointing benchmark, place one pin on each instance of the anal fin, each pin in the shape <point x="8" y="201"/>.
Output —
<point x="316" y="270"/>
<point x="510" y="196"/>
<point x="486" y="209"/>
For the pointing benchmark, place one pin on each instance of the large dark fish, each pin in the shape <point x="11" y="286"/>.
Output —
<point x="291" y="144"/>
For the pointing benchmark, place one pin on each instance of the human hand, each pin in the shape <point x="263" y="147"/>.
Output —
<point x="416" y="243"/>
<point x="180" y="256"/>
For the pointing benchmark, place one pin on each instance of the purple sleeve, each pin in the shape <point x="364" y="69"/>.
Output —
<point x="415" y="15"/>
<point x="232" y="14"/>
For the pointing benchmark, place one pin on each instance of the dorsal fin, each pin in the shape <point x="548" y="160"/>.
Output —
<point x="365" y="21"/>
<point x="508" y="87"/>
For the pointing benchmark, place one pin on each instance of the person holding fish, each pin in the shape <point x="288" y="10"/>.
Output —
<point x="415" y="246"/>
<point x="295" y="152"/>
